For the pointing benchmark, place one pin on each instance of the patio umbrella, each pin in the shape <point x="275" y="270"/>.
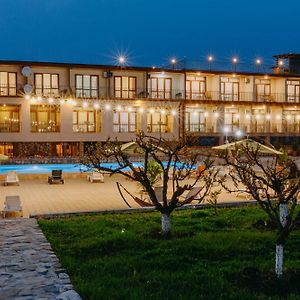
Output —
<point x="132" y="148"/>
<point x="250" y="144"/>
<point x="3" y="157"/>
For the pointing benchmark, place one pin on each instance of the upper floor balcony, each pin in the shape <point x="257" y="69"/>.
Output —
<point x="156" y="94"/>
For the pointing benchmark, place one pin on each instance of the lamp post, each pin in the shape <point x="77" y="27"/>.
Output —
<point x="258" y="63"/>
<point x="234" y="62"/>
<point x="210" y="60"/>
<point x="173" y="62"/>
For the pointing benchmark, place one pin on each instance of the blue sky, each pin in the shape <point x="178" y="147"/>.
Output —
<point x="148" y="32"/>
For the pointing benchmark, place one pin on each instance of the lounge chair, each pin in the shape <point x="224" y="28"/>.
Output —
<point x="56" y="177"/>
<point x="95" y="176"/>
<point x="12" y="204"/>
<point x="11" y="177"/>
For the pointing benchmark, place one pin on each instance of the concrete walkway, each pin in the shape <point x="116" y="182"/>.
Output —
<point x="77" y="195"/>
<point x="29" y="270"/>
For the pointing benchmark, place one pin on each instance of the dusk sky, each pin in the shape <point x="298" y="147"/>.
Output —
<point x="148" y="32"/>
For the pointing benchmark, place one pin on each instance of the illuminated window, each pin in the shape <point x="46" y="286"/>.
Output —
<point x="195" y="87"/>
<point x="263" y="89"/>
<point x="195" y="121"/>
<point x="9" y="118"/>
<point x="44" y="118"/>
<point x="293" y="90"/>
<point x="159" y="122"/>
<point x="125" y="87"/>
<point x="160" y="88"/>
<point x="124" y="121"/>
<point x="8" y="84"/>
<point x="86" y="86"/>
<point x="86" y="121"/>
<point x="229" y="88"/>
<point x="46" y="84"/>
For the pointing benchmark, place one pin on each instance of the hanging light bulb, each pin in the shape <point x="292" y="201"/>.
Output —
<point x="141" y="110"/>
<point x="96" y="105"/>
<point x="174" y="112"/>
<point x="85" y="104"/>
<point x="50" y="100"/>
<point x="107" y="107"/>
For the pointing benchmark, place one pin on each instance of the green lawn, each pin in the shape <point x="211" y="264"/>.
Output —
<point x="123" y="256"/>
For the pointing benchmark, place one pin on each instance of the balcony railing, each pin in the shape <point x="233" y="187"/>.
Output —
<point x="45" y="128"/>
<point x="124" y="127"/>
<point x="84" y="127"/>
<point x="158" y="128"/>
<point x="166" y="94"/>
<point x="10" y="127"/>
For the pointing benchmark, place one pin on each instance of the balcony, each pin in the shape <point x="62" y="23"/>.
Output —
<point x="124" y="127"/>
<point x="165" y="94"/>
<point x="84" y="127"/>
<point x="44" y="128"/>
<point x="10" y="127"/>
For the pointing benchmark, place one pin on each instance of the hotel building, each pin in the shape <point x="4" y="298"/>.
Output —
<point x="54" y="109"/>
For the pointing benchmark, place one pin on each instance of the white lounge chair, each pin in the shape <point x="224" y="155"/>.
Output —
<point x="95" y="176"/>
<point x="11" y="177"/>
<point x="12" y="204"/>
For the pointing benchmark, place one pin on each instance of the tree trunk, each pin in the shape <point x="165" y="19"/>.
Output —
<point x="283" y="214"/>
<point x="165" y="223"/>
<point x="279" y="260"/>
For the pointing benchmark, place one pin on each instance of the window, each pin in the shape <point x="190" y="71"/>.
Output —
<point x="229" y="88"/>
<point x="86" y="86"/>
<point x="259" y="124"/>
<point x="125" y="87"/>
<point x="263" y="89"/>
<point x="158" y="122"/>
<point x="46" y="84"/>
<point x="195" y="121"/>
<point x="44" y="118"/>
<point x="195" y="87"/>
<point x="86" y="121"/>
<point x="160" y="88"/>
<point x="293" y="90"/>
<point x="291" y="121"/>
<point x="8" y="84"/>
<point x="9" y="118"/>
<point x="232" y="119"/>
<point x="124" y="121"/>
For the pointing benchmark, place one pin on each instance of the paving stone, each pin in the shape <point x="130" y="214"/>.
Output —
<point x="29" y="270"/>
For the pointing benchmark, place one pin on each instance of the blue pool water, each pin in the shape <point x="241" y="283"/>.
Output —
<point x="47" y="168"/>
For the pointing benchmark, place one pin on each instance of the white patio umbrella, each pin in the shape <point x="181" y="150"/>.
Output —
<point x="132" y="148"/>
<point x="249" y="144"/>
<point x="3" y="157"/>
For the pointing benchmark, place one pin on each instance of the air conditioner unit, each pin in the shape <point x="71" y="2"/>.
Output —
<point x="107" y="74"/>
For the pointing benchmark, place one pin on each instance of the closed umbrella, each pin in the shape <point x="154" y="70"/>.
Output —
<point x="249" y="144"/>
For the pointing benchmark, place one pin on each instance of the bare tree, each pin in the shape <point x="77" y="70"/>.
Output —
<point x="178" y="174"/>
<point x="274" y="183"/>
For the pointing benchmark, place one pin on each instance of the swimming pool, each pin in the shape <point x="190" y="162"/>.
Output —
<point x="47" y="168"/>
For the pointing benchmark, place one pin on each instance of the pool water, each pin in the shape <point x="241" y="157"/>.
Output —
<point x="47" y="168"/>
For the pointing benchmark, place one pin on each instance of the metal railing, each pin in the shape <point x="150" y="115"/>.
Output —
<point x="40" y="128"/>
<point x="10" y="127"/>
<point x="160" y="94"/>
<point x="84" y="127"/>
<point x="124" y="127"/>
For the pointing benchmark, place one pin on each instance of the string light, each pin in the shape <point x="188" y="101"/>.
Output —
<point x="107" y="107"/>
<point x="174" y="112"/>
<point x="85" y="104"/>
<point x="141" y="110"/>
<point x="96" y="105"/>
<point x="50" y="100"/>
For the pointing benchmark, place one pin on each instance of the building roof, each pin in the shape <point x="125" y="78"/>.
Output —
<point x="137" y="68"/>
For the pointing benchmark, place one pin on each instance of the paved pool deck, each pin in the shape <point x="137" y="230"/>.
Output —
<point x="77" y="195"/>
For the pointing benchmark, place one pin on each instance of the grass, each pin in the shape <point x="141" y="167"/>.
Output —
<point x="123" y="256"/>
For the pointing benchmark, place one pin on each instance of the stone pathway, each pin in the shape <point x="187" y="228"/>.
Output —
<point x="29" y="270"/>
